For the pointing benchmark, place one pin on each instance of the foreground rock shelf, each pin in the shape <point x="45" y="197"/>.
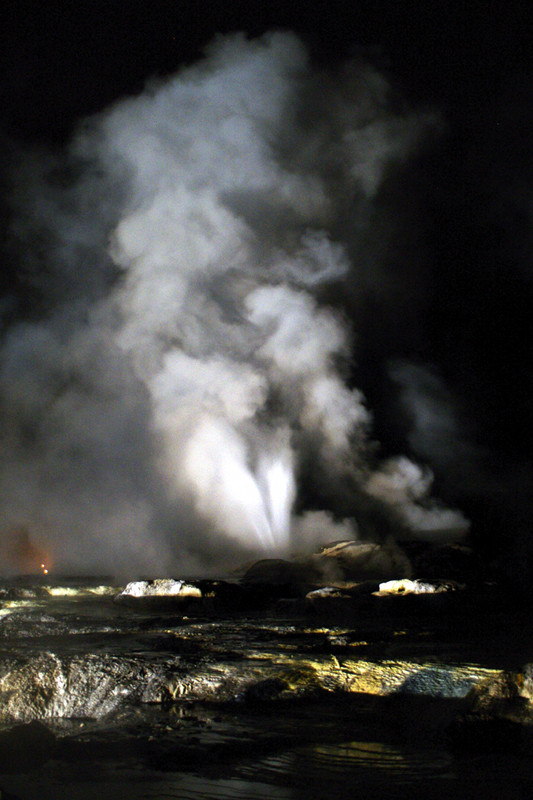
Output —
<point x="185" y="671"/>
<point x="51" y="685"/>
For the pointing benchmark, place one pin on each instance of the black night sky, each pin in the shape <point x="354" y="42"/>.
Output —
<point x="465" y="219"/>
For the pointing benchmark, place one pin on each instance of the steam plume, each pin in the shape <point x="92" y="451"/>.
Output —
<point x="182" y="373"/>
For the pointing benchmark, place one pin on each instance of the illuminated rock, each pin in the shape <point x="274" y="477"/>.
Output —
<point x="161" y="587"/>
<point x="26" y="593"/>
<point x="50" y="685"/>
<point x="526" y="684"/>
<point x="159" y="591"/>
<point x="342" y="599"/>
<point x="406" y="586"/>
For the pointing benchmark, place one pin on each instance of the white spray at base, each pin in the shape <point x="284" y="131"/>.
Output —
<point x="186" y="367"/>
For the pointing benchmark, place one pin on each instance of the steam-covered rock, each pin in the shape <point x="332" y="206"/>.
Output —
<point x="354" y="561"/>
<point x="337" y="564"/>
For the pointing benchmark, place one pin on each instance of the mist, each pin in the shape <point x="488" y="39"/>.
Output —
<point x="177" y="387"/>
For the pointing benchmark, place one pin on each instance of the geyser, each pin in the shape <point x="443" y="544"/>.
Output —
<point x="186" y="364"/>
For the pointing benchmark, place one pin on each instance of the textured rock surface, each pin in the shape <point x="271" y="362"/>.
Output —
<point x="81" y="656"/>
<point x="159" y="592"/>
<point x="337" y="563"/>
<point x="355" y="561"/>
<point x="161" y="587"/>
<point x="406" y="586"/>
<point x="51" y="685"/>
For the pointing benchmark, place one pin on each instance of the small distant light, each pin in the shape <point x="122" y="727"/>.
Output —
<point x="45" y="571"/>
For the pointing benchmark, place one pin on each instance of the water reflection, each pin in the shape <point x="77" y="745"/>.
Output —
<point x="358" y="769"/>
<point x="353" y="769"/>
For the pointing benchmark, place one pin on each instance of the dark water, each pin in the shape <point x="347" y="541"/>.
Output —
<point x="355" y="769"/>
<point x="316" y="749"/>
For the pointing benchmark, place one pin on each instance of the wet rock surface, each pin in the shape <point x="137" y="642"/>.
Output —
<point x="254" y="665"/>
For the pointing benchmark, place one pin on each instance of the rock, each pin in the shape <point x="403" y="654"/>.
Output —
<point x="499" y="717"/>
<point x="285" y="578"/>
<point x="160" y="591"/>
<point x="454" y="562"/>
<point x="49" y="685"/>
<point x="325" y="592"/>
<point x="26" y="593"/>
<point x="337" y="601"/>
<point x="344" y="600"/>
<point x="336" y="565"/>
<point x="502" y="695"/>
<point x="526" y="682"/>
<point x="406" y="586"/>
<point x="328" y="600"/>
<point x="219" y="597"/>
<point x="356" y="561"/>
<point x="265" y="691"/>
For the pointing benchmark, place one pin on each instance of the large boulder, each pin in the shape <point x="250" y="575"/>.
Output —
<point x="355" y="561"/>
<point x="336" y="565"/>
<point x="280" y="578"/>
<point x="456" y="562"/>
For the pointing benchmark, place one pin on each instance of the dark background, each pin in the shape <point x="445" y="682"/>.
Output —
<point x="63" y="60"/>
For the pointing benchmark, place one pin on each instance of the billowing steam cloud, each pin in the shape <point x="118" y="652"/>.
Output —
<point x="181" y="382"/>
